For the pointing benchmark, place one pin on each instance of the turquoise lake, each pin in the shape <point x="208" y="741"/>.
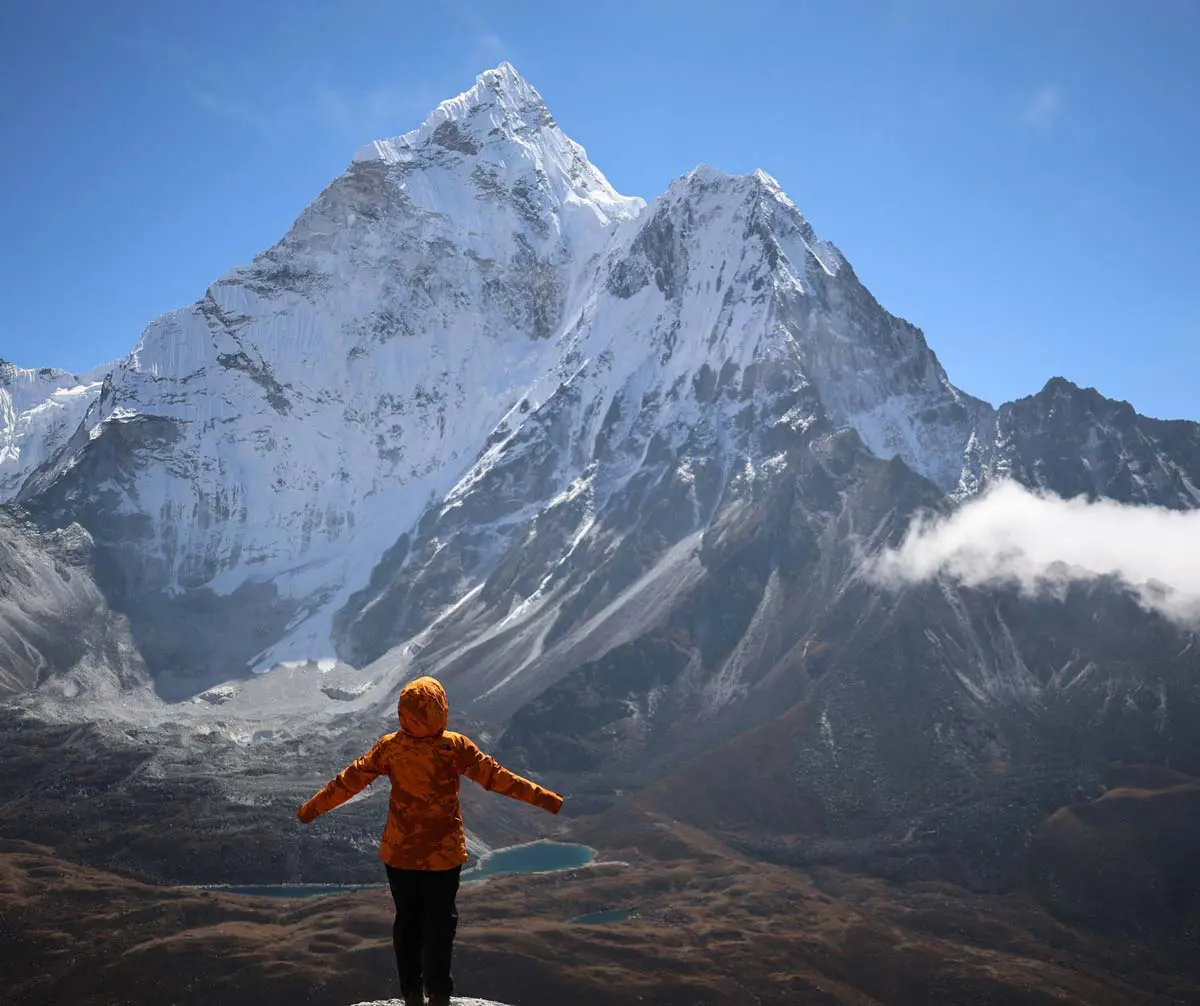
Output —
<point x="608" y="918"/>
<point x="534" y="857"/>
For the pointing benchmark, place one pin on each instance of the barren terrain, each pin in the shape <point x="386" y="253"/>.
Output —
<point x="712" y="927"/>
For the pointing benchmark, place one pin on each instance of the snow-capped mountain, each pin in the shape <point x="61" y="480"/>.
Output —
<point x="257" y="452"/>
<point x="39" y="410"/>
<point x="471" y="379"/>
<point x="265" y="445"/>
<point x="720" y="334"/>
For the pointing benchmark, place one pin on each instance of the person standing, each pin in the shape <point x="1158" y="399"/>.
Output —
<point x="424" y="846"/>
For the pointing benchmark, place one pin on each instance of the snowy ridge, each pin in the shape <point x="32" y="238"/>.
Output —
<point x="39" y="410"/>
<point x="720" y="281"/>
<point x="719" y="330"/>
<point x="500" y="116"/>
<point x="501" y="98"/>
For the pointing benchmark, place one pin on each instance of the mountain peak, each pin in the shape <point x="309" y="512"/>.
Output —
<point x="505" y="89"/>
<point x="501" y="106"/>
<point x="10" y="373"/>
<point x="506" y="79"/>
<point x="501" y="136"/>
<point x="756" y="183"/>
<point x="1057" y="384"/>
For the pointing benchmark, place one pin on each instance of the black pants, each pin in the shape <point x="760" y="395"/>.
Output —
<point x="423" y="935"/>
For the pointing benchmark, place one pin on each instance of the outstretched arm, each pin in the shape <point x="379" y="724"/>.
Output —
<point x="354" y="778"/>
<point x="491" y="775"/>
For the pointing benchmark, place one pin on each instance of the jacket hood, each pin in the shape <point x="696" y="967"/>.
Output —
<point x="423" y="708"/>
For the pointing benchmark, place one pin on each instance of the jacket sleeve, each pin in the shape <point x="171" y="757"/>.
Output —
<point x="493" y="776"/>
<point x="354" y="778"/>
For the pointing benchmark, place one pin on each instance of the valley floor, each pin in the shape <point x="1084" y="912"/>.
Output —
<point x="711" y="928"/>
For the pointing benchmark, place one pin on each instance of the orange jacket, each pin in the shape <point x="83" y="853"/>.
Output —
<point x="424" y="761"/>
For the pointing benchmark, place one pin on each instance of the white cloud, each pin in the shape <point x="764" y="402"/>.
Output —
<point x="1040" y="543"/>
<point x="1044" y="107"/>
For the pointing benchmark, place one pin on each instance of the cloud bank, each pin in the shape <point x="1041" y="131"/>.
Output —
<point x="1041" y="543"/>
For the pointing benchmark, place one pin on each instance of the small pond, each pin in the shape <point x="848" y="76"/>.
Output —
<point x="534" y="857"/>
<point x="604" y="918"/>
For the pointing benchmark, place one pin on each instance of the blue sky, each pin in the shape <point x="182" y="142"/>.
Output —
<point x="1018" y="178"/>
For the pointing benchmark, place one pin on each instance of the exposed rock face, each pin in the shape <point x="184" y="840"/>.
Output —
<point x="1075" y="442"/>
<point x="57" y="632"/>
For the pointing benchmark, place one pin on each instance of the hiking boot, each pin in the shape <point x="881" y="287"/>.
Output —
<point x="414" y="999"/>
<point x="439" y="1001"/>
